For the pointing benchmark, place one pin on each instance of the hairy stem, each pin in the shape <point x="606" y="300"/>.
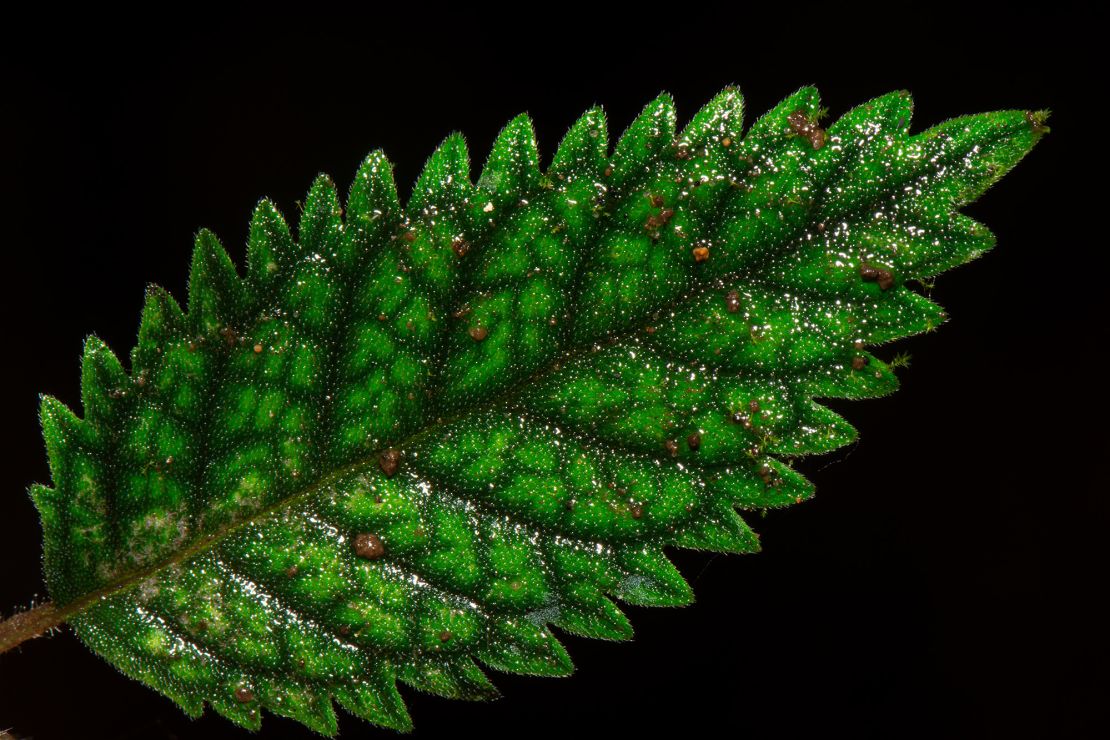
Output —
<point x="30" y="624"/>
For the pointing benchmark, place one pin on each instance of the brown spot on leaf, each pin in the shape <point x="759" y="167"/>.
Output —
<point x="701" y="253"/>
<point x="732" y="301"/>
<point x="636" y="510"/>
<point x="444" y="636"/>
<point x="369" y="546"/>
<point x="389" y="461"/>
<point x="859" y="362"/>
<point x="292" y="571"/>
<point x="671" y="447"/>
<point x="460" y="247"/>
<point x="478" y="333"/>
<point x="258" y="349"/>
<point x="801" y="125"/>
<point x="693" y="441"/>
<point x="243" y="695"/>
<point x="885" y="279"/>
<point x="726" y="141"/>
<point x="868" y="272"/>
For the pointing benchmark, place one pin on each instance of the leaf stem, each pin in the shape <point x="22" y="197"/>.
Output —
<point x="30" y="624"/>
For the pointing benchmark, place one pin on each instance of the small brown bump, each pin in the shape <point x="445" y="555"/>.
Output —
<point x="344" y="630"/>
<point x="369" y="546"/>
<point x="701" y="254"/>
<point x="243" y="695"/>
<point x="478" y="333"/>
<point x="671" y="447"/>
<point x="858" y="344"/>
<point x="201" y="625"/>
<point x="608" y="172"/>
<point x="859" y="362"/>
<point x="292" y="571"/>
<point x="693" y="441"/>
<point x="665" y="215"/>
<point x="885" y="278"/>
<point x="389" y="460"/>
<point x="726" y="141"/>
<point x="682" y="152"/>
<point x="656" y="200"/>
<point x="867" y="272"/>
<point x="409" y="236"/>
<point x="753" y="406"/>
<point x="382" y="317"/>
<point x="258" y="349"/>
<point x="732" y="301"/>
<point x="444" y="636"/>
<point x="821" y="227"/>
<point x="649" y="329"/>
<point x="636" y="510"/>
<point x="765" y="471"/>
<point x="460" y="247"/>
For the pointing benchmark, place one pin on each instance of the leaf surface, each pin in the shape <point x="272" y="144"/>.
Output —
<point x="408" y="441"/>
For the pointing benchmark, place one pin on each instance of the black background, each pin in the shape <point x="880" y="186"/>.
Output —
<point x="947" y="579"/>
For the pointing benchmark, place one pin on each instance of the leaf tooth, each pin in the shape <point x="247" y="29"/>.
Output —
<point x="162" y="318"/>
<point x="768" y="483"/>
<point x="216" y="295"/>
<point x="773" y="125"/>
<point x="376" y="699"/>
<point x="651" y="579"/>
<point x="523" y="646"/>
<point x="818" y="429"/>
<point x="513" y="168"/>
<point x="721" y="118"/>
<point x="373" y="201"/>
<point x="649" y="135"/>
<point x="456" y="677"/>
<point x="102" y="379"/>
<point x="49" y="504"/>
<point x="310" y="706"/>
<point x="270" y="247"/>
<point x="717" y="527"/>
<point x="842" y="381"/>
<point x="597" y="617"/>
<point x="980" y="149"/>
<point x="63" y="432"/>
<point x="445" y="178"/>
<point x="321" y="225"/>
<point x="246" y="714"/>
<point x="855" y="142"/>
<point x="584" y="149"/>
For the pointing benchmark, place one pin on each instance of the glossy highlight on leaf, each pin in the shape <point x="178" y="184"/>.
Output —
<point x="406" y="442"/>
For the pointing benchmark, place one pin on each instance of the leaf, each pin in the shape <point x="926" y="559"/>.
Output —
<point x="407" y="442"/>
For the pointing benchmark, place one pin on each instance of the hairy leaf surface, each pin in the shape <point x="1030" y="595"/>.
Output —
<point x="406" y="442"/>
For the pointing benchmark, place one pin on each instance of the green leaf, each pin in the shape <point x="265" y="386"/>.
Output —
<point x="407" y="443"/>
